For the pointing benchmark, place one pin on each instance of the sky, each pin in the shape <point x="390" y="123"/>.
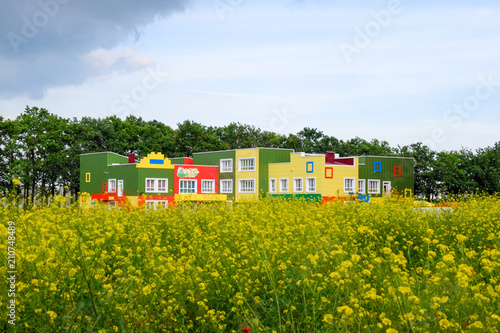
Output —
<point x="403" y="71"/>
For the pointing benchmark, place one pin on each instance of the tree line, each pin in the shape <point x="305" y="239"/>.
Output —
<point x="42" y="150"/>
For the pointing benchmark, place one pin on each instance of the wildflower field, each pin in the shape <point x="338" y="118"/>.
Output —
<point x="272" y="266"/>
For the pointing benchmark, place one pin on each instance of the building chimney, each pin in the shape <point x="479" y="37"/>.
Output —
<point x="330" y="157"/>
<point x="131" y="158"/>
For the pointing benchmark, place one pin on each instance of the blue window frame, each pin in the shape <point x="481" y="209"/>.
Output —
<point x="310" y="167"/>
<point x="377" y="166"/>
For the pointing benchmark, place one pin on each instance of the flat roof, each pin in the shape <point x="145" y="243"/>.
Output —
<point x="220" y="151"/>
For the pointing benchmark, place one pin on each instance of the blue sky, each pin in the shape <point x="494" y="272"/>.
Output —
<point x="401" y="71"/>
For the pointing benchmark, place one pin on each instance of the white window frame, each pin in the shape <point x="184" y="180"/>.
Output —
<point x="156" y="204"/>
<point x="378" y="187"/>
<point x="240" y="189"/>
<point x="245" y="169"/>
<point x="272" y="189"/>
<point x="222" y="169"/>
<point x="309" y="190"/>
<point x="111" y="189"/>
<point x="281" y="185"/>
<point x="221" y="188"/>
<point x="156" y="185"/>
<point x="362" y="186"/>
<point x="296" y="189"/>
<point x="188" y="180"/>
<point x="349" y="189"/>
<point x="161" y="189"/>
<point x="204" y="182"/>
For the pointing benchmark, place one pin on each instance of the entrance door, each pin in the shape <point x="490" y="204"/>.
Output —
<point x="120" y="187"/>
<point x="387" y="188"/>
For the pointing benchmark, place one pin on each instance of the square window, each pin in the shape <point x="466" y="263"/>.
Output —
<point x="247" y="186"/>
<point x="162" y="185"/>
<point x="246" y="164"/>
<point x="297" y="185"/>
<point x="156" y="204"/>
<point x="208" y="186"/>
<point x="187" y="186"/>
<point x="226" y="165"/>
<point x="284" y="185"/>
<point x="373" y="186"/>
<point x="156" y="185"/>
<point x="311" y="184"/>
<point x="349" y="185"/>
<point x="226" y="186"/>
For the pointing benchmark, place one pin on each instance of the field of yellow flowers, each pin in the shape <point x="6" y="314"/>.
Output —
<point x="272" y="266"/>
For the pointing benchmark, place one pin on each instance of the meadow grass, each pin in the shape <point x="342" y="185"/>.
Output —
<point x="272" y="266"/>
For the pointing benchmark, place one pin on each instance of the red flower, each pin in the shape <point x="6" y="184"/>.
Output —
<point x="246" y="329"/>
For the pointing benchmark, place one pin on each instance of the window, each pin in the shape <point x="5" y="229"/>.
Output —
<point x="329" y="172"/>
<point x="247" y="185"/>
<point x="272" y="185"/>
<point x="373" y="186"/>
<point x="377" y="166"/>
<point x="156" y="185"/>
<point x="397" y="171"/>
<point x="311" y="184"/>
<point x="207" y="186"/>
<point x="187" y="186"/>
<point x="297" y="184"/>
<point x="284" y="185"/>
<point x="87" y="177"/>
<point x="361" y="186"/>
<point x="310" y="167"/>
<point x="111" y="185"/>
<point x="226" y="186"/>
<point x="349" y="185"/>
<point x="247" y="164"/>
<point x="156" y="204"/>
<point x="226" y="165"/>
<point x="150" y="185"/>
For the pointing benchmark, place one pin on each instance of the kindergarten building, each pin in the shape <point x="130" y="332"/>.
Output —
<point x="240" y="175"/>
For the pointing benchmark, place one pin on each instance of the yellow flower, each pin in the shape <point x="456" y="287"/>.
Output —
<point x="16" y="181"/>
<point x="448" y="258"/>
<point x="404" y="290"/>
<point x="391" y="330"/>
<point x="52" y="315"/>
<point x="345" y="309"/>
<point x="328" y="319"/>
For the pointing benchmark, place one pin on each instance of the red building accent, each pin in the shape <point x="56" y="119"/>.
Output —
<point x="198" y="173"/>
